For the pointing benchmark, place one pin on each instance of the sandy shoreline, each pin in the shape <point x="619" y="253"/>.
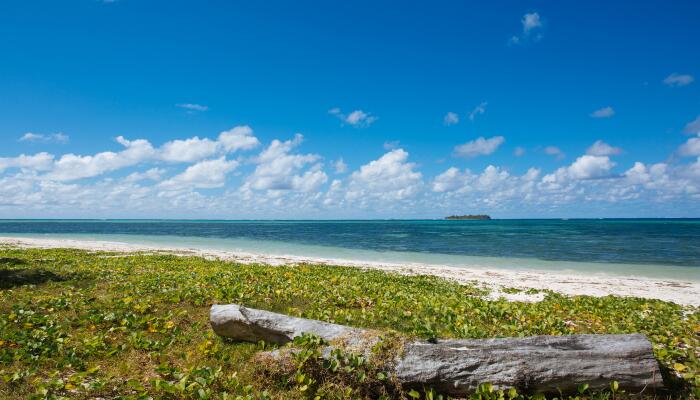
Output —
<point x="678" y="291"/>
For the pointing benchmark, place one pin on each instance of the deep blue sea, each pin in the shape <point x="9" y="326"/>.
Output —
<point x="651" y="247"/>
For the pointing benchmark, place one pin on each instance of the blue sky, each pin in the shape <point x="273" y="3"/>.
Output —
<point x="370" y="83"/>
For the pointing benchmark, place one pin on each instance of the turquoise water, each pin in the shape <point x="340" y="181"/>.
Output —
<point x="655" y="248"/>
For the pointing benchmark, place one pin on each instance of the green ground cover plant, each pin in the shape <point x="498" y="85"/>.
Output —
<point x="79" y="325"/>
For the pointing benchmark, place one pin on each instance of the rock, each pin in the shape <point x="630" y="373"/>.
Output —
<point x="535" y="364"/>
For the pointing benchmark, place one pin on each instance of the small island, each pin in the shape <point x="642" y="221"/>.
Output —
<point x="461" y="217"/>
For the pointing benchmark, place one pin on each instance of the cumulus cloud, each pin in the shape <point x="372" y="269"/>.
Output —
<point x="478" y="110"/>
<point x="40" y="162"/>
<point x="357" y="118"/>
<point x="153" y="174"/>
<point x="585" y="167"/>
<point x="72" y="166"/>
<point x="600" y="148"/>
<point x="678" y="80"/>
<point x="194" y="149"/>
<point x="283" y="181"/>
<point x="591" y="167"/>
<point x="605" y="112"/>
<point x="693" y="127"/>
<point x="208" y="174"/>
<point x="188" y="150"/>
<point x="491" y="179"/>
<point x="450" y="119"/>
<point x="492" y="189"/>
<point x="192" y="107"/>
<point x="531" y="21"/>
<point x="519" y="151"/>
<point x="391" y="177"/>
<point x="340" y="166"/>
<point x="554" y="151"/>
<point x="238" y="138"/>
<point x="690" y="148"/>
<point x="479" y="147"/>
<point x="279" y="169"/>
<point x="532" y="29"/>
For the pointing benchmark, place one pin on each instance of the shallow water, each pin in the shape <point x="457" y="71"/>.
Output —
<point x="655" y="248"/>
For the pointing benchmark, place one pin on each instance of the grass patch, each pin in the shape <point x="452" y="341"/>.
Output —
<point x="76" y="324"/>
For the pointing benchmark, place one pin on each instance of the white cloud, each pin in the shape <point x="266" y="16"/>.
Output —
<point x="59" y="137"/>
<point x="153" y="174"/>
<point x="451" y="179"/>
<point x="519" y="151"/>
<point x="478" y="147"/>
<point x="208" y="174"/>
<point x="693" y="127"/>
<point x="194" y="149"/>
<point x="340" y="166"/>
<point x="451" y="119"/>
<point x="531" y="21"/>
<point x="554" y="151"/>
<point x="591" y="167"/>
<point x="282" y="182"/>
<point x="238" y="138"/>
<point x="192" y="106"/>
<point x="690" y="148"/>
<point x="71" y="166"/>
<point x="678" y="80"/>
<point x="478" y="110"/>
<point x="391" y="177"/>
<point x="605" y="112"/>
<point x="278" y="169"/>
<point x="188" y="150"/>
<point x="38" y="162"/>
<point x="357" y="118"/>
<point x="391" y="145"/>
<point x="532" y="29"/>
<point x="585" y="167"/>
<point x="600" y="148"/>
<point x="493" y="188"/>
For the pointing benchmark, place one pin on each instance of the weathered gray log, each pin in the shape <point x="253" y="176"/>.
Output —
<point x="535" y="364"/>
<point x="251" y="325"/>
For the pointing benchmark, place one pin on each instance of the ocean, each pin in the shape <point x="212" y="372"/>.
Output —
<point x="666" y="248"/>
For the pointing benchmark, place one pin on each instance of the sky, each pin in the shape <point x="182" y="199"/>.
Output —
<point x="365" y="109"/>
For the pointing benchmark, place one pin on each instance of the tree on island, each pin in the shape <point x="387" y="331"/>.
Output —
<point x="478" y="216"/>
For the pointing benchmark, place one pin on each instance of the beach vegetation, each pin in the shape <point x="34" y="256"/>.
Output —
<point x="79" y="325"/>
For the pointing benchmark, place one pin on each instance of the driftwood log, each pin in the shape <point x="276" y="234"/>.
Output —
<point x="535" y="364"/>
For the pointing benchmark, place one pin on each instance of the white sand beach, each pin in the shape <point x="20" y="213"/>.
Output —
<point x="683" y="292"/>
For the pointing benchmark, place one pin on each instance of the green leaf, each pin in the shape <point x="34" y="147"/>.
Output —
<point x="614" y="385"/>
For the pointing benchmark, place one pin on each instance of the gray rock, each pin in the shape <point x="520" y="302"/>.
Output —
<point x="535" y="364"/>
